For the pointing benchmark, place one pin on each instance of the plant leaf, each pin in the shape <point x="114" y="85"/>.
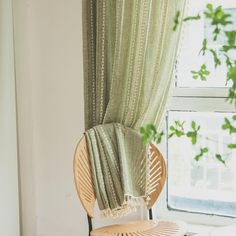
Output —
<point x="219" y="158"/>
<point x="232" y="145"/>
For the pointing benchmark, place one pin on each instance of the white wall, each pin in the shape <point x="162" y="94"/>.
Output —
<point x="9" y="195"/>
<point x="50" y="103"/>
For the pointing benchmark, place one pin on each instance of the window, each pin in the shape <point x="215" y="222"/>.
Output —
<point x="191" y="45"/>
<point x="206" y="186"/>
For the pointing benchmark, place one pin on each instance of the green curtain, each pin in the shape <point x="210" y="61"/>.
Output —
<point x="129" y="54"/>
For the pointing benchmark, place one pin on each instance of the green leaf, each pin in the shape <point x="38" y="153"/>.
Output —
<point x="142" y="130"/>
<point x="194" y="140"/>
<point x="232" y="145"/>
<point x="144" y="140"/>
<point x="231" y="41"/>
<point x="228" y="61"/>
<point x="197" y="157"/>
<point x="202" y="152"/>
<point x="231" y="37"/>
<point x="193" y="136"/>
<point x="202" y="73"/>
<point x="204" y="47"/>
<point x="216" y="58"/>
<point x="224" y="126"/>
<point x="179" y="133"/>
<point x="151" y="128"/>
<point x="193" y="125"/>
<point x="209" y="6"/>
<point x="227" y="121"/>
<point x="219" y="158"/>
<point x="149" y="134"/>
<point x="177" y="129"/>
<point x="189" y="18"/>
<point x="232" y="96"/>
<point x="228" y="126"/>
<point x="176" y="20"/>
<point x="190" y="134"/>
<point x="158" y="137"/>
<point x="171" y="135"/>
<point x="218" y="18"/>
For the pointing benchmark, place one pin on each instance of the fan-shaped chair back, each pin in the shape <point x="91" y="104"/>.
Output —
<point x="84" y="183"/>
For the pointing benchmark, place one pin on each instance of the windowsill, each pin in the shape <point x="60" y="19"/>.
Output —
<point x="200" y="230"/>
<point x="203" y="230"/>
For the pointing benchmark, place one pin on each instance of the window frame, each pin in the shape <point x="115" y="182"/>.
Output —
<point x="197" y="100"/>
<point x="200" y="92"/>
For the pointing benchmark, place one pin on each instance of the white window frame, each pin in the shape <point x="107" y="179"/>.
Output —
<point x="199" y="100"/>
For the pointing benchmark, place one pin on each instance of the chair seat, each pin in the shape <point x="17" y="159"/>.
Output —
<point x="142" y="228"/>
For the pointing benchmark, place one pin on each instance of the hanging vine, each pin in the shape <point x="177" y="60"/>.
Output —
<point x="219" y="20"/>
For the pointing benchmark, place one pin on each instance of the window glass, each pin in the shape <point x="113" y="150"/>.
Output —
<point x="207" y="185"/>
<point x="190" y="59"/>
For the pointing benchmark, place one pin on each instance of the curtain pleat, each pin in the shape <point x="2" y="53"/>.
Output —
<point x="129" y="54"/>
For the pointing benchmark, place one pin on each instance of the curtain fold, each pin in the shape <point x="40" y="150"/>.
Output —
<point x="129" y="54"/>
<point x="118" y="162"/>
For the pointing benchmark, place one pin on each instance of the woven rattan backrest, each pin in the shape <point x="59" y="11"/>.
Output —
<point x="83" y="178"/>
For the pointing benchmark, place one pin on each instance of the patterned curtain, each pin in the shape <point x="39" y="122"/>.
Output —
<point x="129" y="54"/>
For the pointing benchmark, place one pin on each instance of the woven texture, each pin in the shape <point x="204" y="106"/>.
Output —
<point x="143" y="228"/>
<point x="118" y="165"/>
<point x="84" y="184"/>
<point x="129" y="54"/>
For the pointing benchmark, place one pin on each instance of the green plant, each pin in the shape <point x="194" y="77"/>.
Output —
<point x="149" y="133"/>
<point x="218" y="19"/>
<point x="200" y="155"/>
<point x="202" y="73"/>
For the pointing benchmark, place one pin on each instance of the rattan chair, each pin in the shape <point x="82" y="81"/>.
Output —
<point x="85" y="190"/>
